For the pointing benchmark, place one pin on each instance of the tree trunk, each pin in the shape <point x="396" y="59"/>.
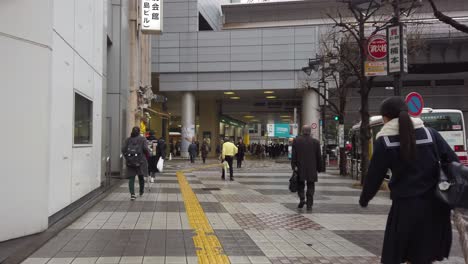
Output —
<point x="364" y="91"/>
<point x="343" y="161"/>
<point x="364" y="133"/>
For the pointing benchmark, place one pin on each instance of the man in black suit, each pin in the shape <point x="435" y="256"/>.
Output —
<point x="307" y="161"/>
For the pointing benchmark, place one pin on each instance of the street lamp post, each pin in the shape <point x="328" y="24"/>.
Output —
<point x="322" y="85"/>
<point x="314" y="65"/>
<point x="397" y="82"/>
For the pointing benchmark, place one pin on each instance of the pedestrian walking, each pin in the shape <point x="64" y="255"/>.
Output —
<point x="135" y="150"/>
<point x="172" y="147"/>
<point x="205" y="149"/>
<point x="418" y="225"/>
<point x="160" y="151"/>
<point x="241" y="153"/>
<point x="219" y="148"/>
<point x="228" y="153"/>
<point x="219" y="152"/>
<point x="192" y="150"/>
<point x="178" y="148"/>
<point x="307" y="162"/>
<point x="153" y="159"/>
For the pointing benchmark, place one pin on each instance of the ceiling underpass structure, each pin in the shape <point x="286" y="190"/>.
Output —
<point x="249" y="106"/>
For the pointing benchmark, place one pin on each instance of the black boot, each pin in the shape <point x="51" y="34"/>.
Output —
<point x="301" y="204"/>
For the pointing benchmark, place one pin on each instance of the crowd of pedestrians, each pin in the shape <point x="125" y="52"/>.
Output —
<point x="273" y="150"/>
<point x="418" y="226"/>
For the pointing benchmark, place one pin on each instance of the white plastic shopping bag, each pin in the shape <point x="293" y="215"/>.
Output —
<point x="160" y="165"/>
<point x="226" y="165"/>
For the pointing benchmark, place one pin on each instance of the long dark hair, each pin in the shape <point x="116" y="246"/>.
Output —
<point x="395" y="107"/>
<point x="135" y="132"/>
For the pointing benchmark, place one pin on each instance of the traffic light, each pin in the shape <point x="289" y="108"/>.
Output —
<point x="336" y="118"/>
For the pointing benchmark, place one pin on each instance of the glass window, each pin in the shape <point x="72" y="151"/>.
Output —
<point x="83" y="132"/>
<point x="253" y="128"/>
<point x="443" y="121"/>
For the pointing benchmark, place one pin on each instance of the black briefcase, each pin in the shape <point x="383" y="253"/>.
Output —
<point x="293" y="181"/>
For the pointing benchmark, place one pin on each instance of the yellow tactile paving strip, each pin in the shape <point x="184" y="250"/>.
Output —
<point x="209" y="249"/>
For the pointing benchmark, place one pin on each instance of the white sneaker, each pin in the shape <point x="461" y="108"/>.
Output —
<point x="152" y="180"/>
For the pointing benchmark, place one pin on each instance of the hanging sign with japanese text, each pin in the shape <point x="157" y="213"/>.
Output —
<point x="376" y="63"/>
<point x="341" y="141"/>
<point x="397" y="49"/>
<point x="151" y="16"/>
<point x="404" y="45"/>
<point x="377" y="47"/>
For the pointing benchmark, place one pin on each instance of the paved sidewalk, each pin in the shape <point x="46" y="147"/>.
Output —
<point x="254" y="218"/>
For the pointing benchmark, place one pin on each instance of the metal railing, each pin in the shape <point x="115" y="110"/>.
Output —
<point x="108" y="172"/>
<point x="353" y="168"/>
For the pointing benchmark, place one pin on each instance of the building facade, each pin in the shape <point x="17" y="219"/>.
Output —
<point x="66" y="78"/>
<point x="232" y="54"/>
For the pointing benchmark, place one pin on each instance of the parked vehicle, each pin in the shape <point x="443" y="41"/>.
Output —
<point x="449" y="122"/>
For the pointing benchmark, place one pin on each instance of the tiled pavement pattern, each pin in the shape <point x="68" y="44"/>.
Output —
<point x="255" y="219"/>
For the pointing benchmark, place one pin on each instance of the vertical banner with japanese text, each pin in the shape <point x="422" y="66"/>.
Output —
<point x="404" y="46"/>
<point x="397" y="46"/>
<point x="151" y="16"/>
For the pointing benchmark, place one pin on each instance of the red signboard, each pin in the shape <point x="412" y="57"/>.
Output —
<point x="377" y="47"/>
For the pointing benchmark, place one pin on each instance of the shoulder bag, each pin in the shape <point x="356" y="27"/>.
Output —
<point x="452" y="187"/>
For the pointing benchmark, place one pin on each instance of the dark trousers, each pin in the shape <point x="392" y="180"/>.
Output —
<point x="239" y="161"/>
<point x="131" y="184"/>
<point x="229" y="160"/>
<point x="310" y="192"/>
<point x="204" y="159"/>
<point x="192" y="158"/>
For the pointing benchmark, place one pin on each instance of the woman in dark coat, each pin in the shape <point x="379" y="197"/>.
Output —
<point x="418" y="226"/>
<point x="153" y="159"/>
<point x="240" y="153"/>
<point x="142" y="169"/>
<point x="205" y="149"/>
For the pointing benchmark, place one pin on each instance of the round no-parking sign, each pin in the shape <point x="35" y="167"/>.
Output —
<point x="314" y="126"/>
<point x="415" y="104"/>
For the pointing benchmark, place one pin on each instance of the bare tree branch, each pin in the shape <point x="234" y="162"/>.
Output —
<point x="447" y="20"/>
<point x="347" y="27"/>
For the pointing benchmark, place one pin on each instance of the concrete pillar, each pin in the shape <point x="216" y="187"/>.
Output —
<point x="209" y="123"/>
<point x="311" y="111"/>
<point x="188" y="121"/>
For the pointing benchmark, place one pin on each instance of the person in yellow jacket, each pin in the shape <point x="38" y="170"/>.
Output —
<point x="229" y="151"/>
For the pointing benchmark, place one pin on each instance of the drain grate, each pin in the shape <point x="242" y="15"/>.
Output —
<point x="211" y="189"/>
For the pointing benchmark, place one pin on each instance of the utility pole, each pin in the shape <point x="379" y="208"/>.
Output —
<point x="397" y="82"/>
<point x="323" y="90"/>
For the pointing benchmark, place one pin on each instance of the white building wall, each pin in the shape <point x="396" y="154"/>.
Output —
<point x="25" y="78"/>
<point x="78" y="59"/>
